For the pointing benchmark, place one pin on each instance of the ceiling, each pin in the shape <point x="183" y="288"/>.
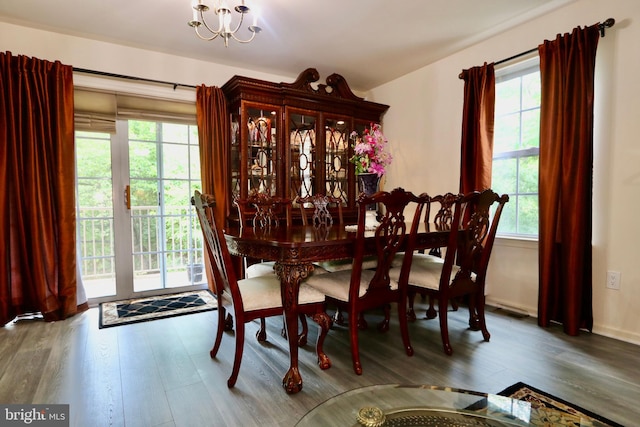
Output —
<point x="369" y="42"/>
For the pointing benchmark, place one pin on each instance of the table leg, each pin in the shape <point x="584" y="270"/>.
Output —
<point x="290" y="276"/>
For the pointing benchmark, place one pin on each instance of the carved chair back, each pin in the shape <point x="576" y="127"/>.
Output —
<point x="321" y="216"/>
<point x="216" y="248"/>
<point x="479" y="214"/>
<point x="263" y="211"/>
<point x="443" y="216"/>
<point x="391" y="234"/>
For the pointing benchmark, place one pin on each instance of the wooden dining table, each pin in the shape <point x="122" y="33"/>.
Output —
<point x="294" y="250"/>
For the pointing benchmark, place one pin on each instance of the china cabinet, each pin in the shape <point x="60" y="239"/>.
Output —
<point x="293" y="139"/>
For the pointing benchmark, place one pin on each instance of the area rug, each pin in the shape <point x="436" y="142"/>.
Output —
<point x="125" y="312"/>
<point x="543" y="401"/>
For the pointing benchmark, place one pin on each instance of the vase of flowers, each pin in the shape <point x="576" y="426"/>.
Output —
<point x="371" y="159"/>
<point x="370" y="151"/>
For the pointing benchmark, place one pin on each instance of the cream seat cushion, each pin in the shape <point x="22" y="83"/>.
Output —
<point x="259" y="269"/>
<point x="264" y="292"/>
<point x="417" y="257"/>
<point x="425" y="271"/>
<point x="336" y="285"/>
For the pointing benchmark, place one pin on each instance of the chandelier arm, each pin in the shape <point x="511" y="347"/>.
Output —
<point x="211" y="30"/>
<point x="237" y="26"/>
<point x="201" y="37"/>
<point x="244" y="41"/>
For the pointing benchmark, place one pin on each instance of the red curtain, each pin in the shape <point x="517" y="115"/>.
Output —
<point x="477" y="128"/>
<point x="213" y="136"/>
<point x="37" y="222"/>
<point x="566" y="166"/>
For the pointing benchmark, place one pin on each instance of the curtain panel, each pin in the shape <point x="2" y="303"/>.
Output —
<point x="477" y="128"/>
<point x="567" y="67"/>
<point x="37" y="222"/>
<point x="213" y="136"/>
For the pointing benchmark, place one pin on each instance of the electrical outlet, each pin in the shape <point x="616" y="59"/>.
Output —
<point x="613" y="280"/>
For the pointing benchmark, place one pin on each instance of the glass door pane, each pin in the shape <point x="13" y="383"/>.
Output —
<point x="337" y="158"/>
<point x="262" y="156"/>
<point x="164" y="171"/>
<point x="95" y="216"/>
<point x="302" y="152"/>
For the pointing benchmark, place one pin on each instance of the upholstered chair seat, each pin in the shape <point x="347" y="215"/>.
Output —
<point x="333" y="285"/>
<point x="263" y="292"/>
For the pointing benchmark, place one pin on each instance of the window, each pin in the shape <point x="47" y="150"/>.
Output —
<point x="516" y="147"/>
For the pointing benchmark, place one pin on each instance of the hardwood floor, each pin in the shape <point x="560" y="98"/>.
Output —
<point x="159" y="373"/>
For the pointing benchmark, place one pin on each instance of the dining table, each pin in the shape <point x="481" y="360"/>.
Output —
<point x="295" y="249"/>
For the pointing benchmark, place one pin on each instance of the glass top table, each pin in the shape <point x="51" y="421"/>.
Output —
<point x="420" y="405"/>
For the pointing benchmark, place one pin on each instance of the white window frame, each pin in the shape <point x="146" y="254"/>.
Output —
<point x="506" y="73"/>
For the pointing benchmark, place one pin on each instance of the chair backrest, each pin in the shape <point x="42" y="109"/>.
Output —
<point x="444" y="215"/>
<point x="216" y="248"/>
<point x="321" y="204"/>
<point x="261" y="210"/>
<point x="391" y="235"/>
<point x="473" y="232"/>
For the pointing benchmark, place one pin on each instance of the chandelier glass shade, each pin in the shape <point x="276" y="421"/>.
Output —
<point x="225" y="28"/>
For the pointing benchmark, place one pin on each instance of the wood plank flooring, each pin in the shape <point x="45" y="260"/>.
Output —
<point x="159" y="373"/>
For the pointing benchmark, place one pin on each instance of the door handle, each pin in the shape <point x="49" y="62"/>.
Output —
<point x="127" y="196"/>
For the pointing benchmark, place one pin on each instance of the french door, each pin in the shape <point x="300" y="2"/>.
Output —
<point x="137" y="232"/>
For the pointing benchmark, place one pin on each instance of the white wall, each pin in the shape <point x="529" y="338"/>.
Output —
<point x="423" y="126"/>
<point x="117" y="59"/>
<point x="424" y="130"/>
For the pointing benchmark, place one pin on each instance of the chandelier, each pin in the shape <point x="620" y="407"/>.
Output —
<point x="224" y="30"/>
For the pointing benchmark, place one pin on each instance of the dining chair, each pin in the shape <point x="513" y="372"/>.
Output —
<point x="358" y="289"/>
<point x="321" y="218"/>
<point x="262" y="211"/>
<point x="251" y="298"/>
<point x="463" y="270"/>
<point x="442" y="219"/>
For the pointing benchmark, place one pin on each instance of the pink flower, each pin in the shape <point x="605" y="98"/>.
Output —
<point x="370" y="153"/>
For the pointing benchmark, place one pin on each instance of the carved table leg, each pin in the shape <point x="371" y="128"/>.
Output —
<point x="290" y="277"/>
<point x="324" y="321"/>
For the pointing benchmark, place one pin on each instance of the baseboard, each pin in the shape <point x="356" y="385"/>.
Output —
<point x="626" y="336"/>
<point x="508" y="306"/>
<point x="598" y="329"/>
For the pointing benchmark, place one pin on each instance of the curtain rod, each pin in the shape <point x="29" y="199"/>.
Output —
<point x="140" y="79"/>
<point x="606" y="24"/>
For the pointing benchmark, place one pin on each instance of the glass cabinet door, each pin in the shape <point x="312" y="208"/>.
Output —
<point x="302" y="153"/>
<point x="337" y="158"/>
<point x="235" y="154"/>
<point x="261" y="126"/>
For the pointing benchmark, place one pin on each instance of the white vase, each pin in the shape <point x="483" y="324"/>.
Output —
<point x="371" y="220"/>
